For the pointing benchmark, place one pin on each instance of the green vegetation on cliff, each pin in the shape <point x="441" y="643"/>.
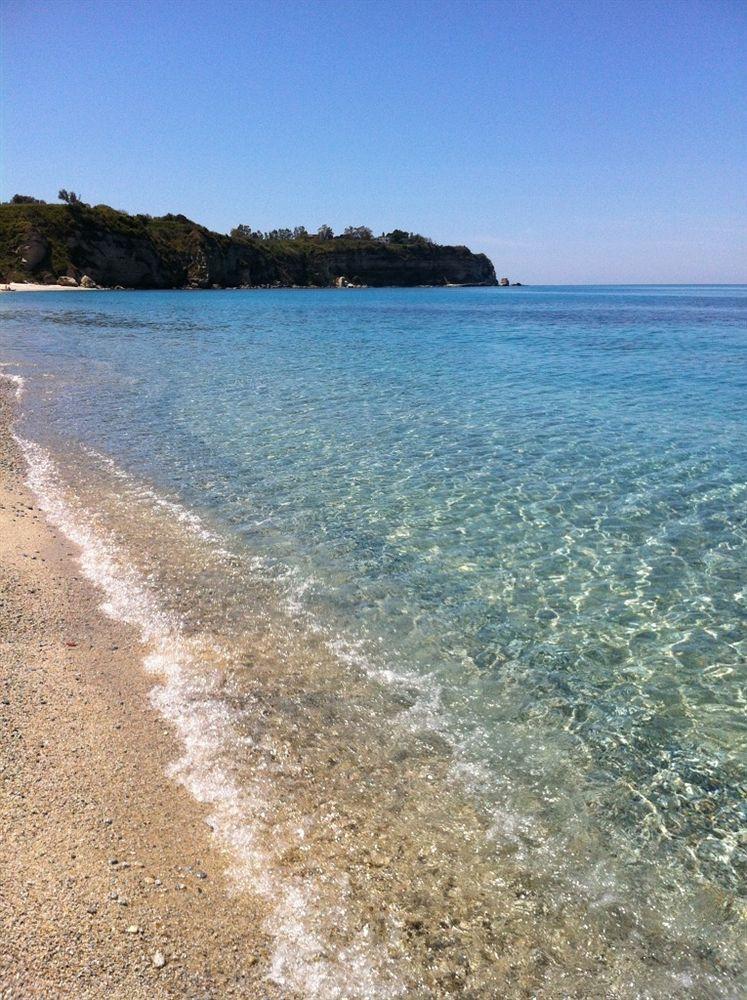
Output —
<point x="44" y="242"/>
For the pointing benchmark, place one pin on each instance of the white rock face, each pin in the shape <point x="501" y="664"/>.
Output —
<point x="67" y="281"/>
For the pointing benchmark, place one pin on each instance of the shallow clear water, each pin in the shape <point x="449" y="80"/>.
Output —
<point x="471" y="572"/>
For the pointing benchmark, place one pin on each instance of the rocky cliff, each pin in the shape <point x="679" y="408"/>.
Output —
<point x="41" y="242"/>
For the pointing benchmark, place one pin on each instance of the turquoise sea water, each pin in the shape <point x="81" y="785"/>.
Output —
<point x="480" y="558"/>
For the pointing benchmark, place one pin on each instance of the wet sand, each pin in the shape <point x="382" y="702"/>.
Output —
<point x="109" y="884"/>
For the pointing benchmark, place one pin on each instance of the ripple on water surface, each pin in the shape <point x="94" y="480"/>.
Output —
<point x="465" y="612"/>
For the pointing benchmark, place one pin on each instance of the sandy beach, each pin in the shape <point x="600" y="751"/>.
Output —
<point x="31" y="286"/>
<point x="110" y="886"/>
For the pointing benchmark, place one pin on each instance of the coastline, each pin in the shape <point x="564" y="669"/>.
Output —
<point x="31" y="286"/>
<point x="111" y="885"/>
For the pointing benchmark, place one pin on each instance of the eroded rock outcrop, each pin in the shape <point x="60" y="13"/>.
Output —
<point x="33" y="251"/>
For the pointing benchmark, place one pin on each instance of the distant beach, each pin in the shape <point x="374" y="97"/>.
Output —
<point x="30" y="286"/>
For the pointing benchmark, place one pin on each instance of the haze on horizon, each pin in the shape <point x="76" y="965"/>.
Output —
<point x="573" y="142"/>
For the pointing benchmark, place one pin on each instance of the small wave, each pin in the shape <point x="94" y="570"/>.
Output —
<point x="188" y="518"/>
<point x="298" y="912"/>
<point x="18" y="381"/>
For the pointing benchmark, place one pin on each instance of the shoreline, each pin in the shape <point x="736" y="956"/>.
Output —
<point x="113" y="885"/>
<point x="29" y="286"/>
<point x="35" y="286"/>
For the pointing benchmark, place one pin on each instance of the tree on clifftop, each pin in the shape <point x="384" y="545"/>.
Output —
<point x="402" y="236"/>
<point x="243" y="231"/>
<point x="358" y="233"/>
<point x="69" y="197"/>
<point x="325" y="233"/>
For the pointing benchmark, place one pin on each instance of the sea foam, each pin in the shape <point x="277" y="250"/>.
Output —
<point x="302" y="957"/>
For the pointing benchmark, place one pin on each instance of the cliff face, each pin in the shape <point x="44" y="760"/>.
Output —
<point x="40" y="242"/>
<point x="397" y="264"/>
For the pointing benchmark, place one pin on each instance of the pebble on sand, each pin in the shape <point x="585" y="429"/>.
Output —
<point x="158" y="959"/>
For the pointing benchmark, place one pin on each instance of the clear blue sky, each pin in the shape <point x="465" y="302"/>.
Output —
<point x="570" y="141"/>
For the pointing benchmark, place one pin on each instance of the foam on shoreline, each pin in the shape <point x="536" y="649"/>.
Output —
<point x="186" y="696"/>
<point x="17" y="380"/>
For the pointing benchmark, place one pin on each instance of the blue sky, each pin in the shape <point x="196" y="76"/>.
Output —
<point x="570" y="141"/>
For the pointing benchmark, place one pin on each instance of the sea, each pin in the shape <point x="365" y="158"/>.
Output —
<point x="444" y="593"/>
